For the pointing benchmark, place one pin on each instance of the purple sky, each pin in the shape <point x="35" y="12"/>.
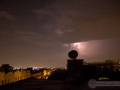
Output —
<point x="42" y="32"/>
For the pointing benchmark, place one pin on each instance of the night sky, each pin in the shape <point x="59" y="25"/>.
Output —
<point x="42" y="32"/>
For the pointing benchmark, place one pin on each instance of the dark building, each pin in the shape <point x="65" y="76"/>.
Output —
<point x="78" y="71"/>
<point x="89" y="72"/>
<point x="74" y="68"/>
<point x="107" y="65"/>
<point x="107" y="69"/>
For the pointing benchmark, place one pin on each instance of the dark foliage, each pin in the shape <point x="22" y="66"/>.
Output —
<point x="59" y="74"/>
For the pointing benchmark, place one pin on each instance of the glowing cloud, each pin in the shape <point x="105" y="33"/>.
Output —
<point x="79" y="46"/>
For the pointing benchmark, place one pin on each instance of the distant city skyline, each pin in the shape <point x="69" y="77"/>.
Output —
<point x="41" y="32"/>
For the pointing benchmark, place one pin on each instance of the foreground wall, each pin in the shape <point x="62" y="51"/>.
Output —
<point x="13" y="76"/>
<point x="1" y="77"/>
<point x="42" y="75"/>
<point x="21" y="75"/>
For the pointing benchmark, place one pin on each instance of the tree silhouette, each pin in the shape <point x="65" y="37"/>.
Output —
<point x="6" y="68"/>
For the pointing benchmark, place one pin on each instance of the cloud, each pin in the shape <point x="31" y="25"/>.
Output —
<point x="32" y="37"/>
<point x="3" y="33"/>
<point x="59" y="32"/>
<point x="41" y="11"/>
<point x="6" y="15"/>
<point x="85" y="29"/>
<point x="96" y="50"/>
<point x="82" y="21"/>
<point x="51" y="21"/>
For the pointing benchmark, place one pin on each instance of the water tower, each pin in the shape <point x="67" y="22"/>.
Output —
<point x="74" y="66"/>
